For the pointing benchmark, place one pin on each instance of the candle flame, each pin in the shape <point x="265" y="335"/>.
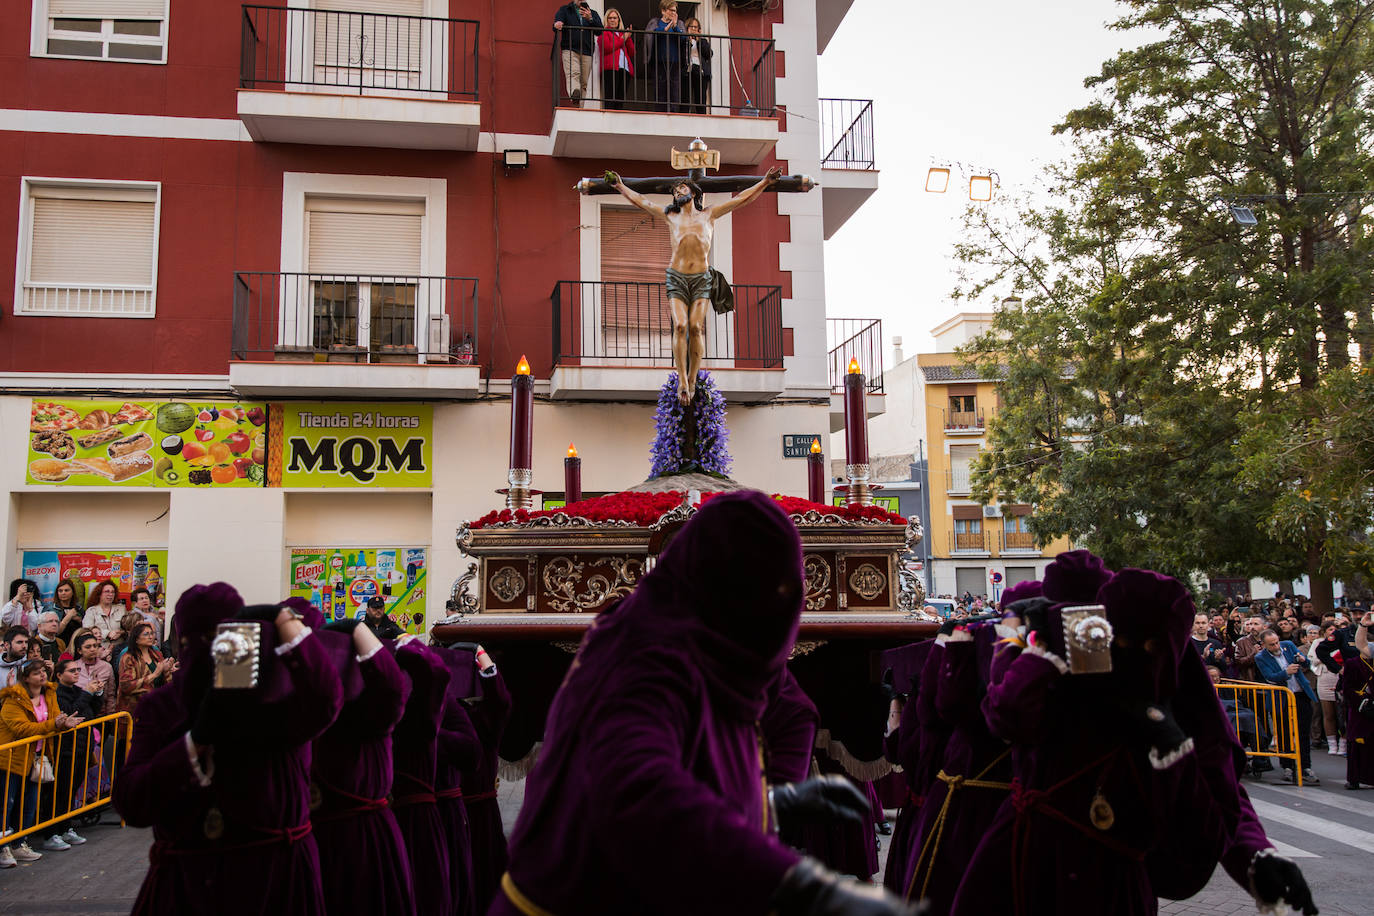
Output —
<point x="522" y="367"/>
<point x="815" y="446"/>
<point x="854" y="367"/>
<point x="572" y="450"/>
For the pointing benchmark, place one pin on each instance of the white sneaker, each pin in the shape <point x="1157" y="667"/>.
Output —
<point x="22" y="853"/>
<point x="55" y="843"/>
<point x="7" y="858"/>
<point x="72" y="837"/>
<point x="1340" y="748"/>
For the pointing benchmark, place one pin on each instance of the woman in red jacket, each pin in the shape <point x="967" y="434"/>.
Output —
<point x="617" y="60"/>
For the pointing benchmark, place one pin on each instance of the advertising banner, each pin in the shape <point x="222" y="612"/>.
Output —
<point x="129" y="569"/>
<point x="352" y="445"/>
<point x="147" y="443"/>
<point x="339" y="581"/>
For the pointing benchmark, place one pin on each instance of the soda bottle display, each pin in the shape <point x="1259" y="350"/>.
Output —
<point x="154" y="585"/>
<point x="140" y="569"/>
<point x="339" y="609"/>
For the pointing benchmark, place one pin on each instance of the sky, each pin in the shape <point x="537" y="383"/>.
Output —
<point x="978" y="82"/>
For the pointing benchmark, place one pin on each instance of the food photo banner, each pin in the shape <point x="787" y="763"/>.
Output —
<point x="351" y="445"/>
<point x="147" y="443"/>
<point x="340" y="581"/>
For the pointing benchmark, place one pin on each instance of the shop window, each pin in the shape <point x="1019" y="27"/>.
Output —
<point x="88" y="248"/>
<point x="129" y="31"/>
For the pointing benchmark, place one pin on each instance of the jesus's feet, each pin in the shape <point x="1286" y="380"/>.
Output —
<point x="684" y="396"/>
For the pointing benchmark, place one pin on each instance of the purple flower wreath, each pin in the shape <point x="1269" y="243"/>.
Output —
<point x="708" y="414"/>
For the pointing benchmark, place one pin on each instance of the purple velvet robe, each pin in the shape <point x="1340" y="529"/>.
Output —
<point x="652" y="746"/>
<point x="260" y="789"/>
<point x="459" y="750"/>
<point x="789" y="731"/>
<point x="936" y="856"/>
<point x="1359" y="730"/>
<point x="916" y="747"/>
<point x="352" y="773"/>
<point x="489" y="715"/>
<point x="846" y="847"/>
<point x="414" y="753"/>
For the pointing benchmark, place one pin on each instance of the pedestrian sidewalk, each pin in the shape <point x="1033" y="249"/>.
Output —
<point x="100" y="877"/>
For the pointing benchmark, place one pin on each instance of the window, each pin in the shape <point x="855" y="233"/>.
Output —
<point x="363" y="259"/>
<point x="88" y="248"/>
<point x="121" y="30"/>
<point x="961" y="403"/>
<point x="636" y="319"/>
<point x="372" y="43"/>
<point x="968" y="526"/>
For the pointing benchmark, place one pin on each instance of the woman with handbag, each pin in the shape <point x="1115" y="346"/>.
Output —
<point x="28" y="709"/>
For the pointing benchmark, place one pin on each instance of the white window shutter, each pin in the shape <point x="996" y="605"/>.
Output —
<point x="383" y="7"/>
<point x="107" y="9"/>
<point x="364" y="243"/>
<point x="99" y="243"/>
<point x="392" y="45"/>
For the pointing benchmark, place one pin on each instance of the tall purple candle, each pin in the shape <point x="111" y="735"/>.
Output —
<point x="521" y="417"/>
<point x="855" y="416"/>
<point x="815" y="473"/>
<point x="572" y="476"/>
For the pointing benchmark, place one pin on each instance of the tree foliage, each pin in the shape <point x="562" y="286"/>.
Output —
<point x="1175" y="382"/>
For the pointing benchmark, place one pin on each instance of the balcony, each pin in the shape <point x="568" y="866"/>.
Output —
<point x="958" y="481"/>
<point x="316" y="335"/>
<point x="358" y="79"/>
<point x="861" y="339"/>
<point x="1019" y="542"/>
<point x="964" y="422"/>
<point x="968" y="543"/>
<point x="645" y="116"/>
<point x="848" y="176"/>
<point x="614" y="341"/>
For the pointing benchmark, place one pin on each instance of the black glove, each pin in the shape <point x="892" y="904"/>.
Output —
<point x="825" y="798"/>
<point x="1034" y="612"/>
<point x="1274" y="878"/>
<point x="948" y="626"/>
<point x="811" y="889"/>
<point x="1155" y="719"/>
<point x="267" y="613"/>
<point x="345" y="625"/>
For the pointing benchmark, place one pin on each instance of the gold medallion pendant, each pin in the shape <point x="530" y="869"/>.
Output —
<point x="214" y="824"/>
<point x="1100" y="812"/>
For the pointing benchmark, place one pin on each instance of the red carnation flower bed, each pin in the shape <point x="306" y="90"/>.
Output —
<point x="643" y="509"/>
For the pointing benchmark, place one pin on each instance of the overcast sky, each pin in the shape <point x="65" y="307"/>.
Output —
<point x="977" y="82"/>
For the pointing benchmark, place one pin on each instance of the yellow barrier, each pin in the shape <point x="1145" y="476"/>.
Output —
<point x="1276" y="716"/>
<point x="81" y="768"/>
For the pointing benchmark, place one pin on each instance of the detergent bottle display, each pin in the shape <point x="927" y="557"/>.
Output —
<point x="340" y="581"/>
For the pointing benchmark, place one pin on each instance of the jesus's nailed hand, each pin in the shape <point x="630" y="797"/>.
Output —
<point x="612" y="178"/>
<point x="774" y="174"/>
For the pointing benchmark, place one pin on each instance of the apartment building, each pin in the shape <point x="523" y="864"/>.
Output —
<point x="275" y="266"/>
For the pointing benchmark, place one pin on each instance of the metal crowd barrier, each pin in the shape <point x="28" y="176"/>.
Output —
<point x="1273" y="715"/>
<point x="83" y="772"/>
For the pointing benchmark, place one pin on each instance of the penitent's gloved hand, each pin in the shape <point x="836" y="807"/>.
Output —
<point x="823" y="799"/>
<point x="346" y="625"/>
<point x="810" y="889"/>
<point x="1274" y="879"/>
<point x="948" y="626"/>
<point x="1034" y="612"/>
<point x="1167" y="740"/>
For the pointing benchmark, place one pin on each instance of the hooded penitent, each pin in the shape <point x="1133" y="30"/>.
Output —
<point x="651" y="746"/>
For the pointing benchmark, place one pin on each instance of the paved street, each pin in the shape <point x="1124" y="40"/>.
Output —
<point x="1329" y="831"/>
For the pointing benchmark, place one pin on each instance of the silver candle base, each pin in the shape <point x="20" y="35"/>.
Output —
<point x="859" y="493"/>
<point x="519" y="495"/>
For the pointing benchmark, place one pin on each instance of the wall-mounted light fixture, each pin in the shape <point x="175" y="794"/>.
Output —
<point x="516" y="158"/>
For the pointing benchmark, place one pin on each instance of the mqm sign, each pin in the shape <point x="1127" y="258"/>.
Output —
<point x="355" y="445"/>
<point x="798" y="445"/>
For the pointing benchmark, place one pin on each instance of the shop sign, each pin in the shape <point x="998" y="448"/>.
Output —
<point x="130" y="569"/>
<point x="353" y="445"/>
<point x="883" y="502"/>
<point x="339" y="581"/>
<point x="147" y="443"/>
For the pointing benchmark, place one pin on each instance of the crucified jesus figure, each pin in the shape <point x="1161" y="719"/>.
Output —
<point x="691" y="227"/>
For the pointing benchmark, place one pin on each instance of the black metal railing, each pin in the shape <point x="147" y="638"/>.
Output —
<point x="354" y="318"/>
<point x="847" y="134"/>
<point x="959" y="480"/>
<point x="964" y="421"/>
<point x="1018" y="540"/>
<point x="855" y="338"/>
<point x="599" y="323"/>
<point x="359" y="52"/>
<point x="968" y="542"/>
<point x="736" y="75"/>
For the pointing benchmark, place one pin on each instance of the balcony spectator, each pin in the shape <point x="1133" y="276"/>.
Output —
<point x="696" y="91"/>
<point x="617" y="61"/>
<point x="28" y="709"/>
<point x="74" y="756"/>
<point x="666" y="38"/>
<point x="578" y="25"/>
<point x="142" y="667"/>
<point x="66" y="601"/>
<point x="105" y="612"/>
<point x="16" y="652"/>
<point x="23" y="607"/>
<point x="1280" y="663"/>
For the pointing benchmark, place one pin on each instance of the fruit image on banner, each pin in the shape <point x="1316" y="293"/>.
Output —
<point x="147" y="443"/>
<point x="339" y="581"/>
<point x="130" y="569"/>
<point x="351" y="445"/>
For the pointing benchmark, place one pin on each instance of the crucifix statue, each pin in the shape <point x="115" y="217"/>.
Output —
<point x="691" y="227"/>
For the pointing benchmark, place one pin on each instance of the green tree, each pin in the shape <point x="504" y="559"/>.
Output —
<point x="1172" y="378"/>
